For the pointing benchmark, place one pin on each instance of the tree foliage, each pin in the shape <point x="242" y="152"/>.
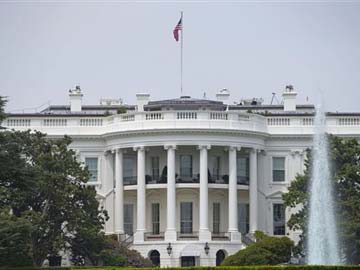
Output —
<point x="344" y="155"/>
<point x="267" y="250"/>
<point x="42" y="187"/>
<point x="2" y="109"/>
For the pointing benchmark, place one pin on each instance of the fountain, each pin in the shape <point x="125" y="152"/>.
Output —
<point x="322" y="242"/>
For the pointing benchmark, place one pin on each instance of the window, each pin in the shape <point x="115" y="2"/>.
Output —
<point x="128" y="218"/>
<point x="92" y="165"/>
<point x="155" y="215"/>
<point x="155" y="172"/>
<point x="216" y="168"/>
<point x="185" y="166"/>
<point x="129" y="167"/>
<point x="216" y="218"/>
<point x="243" y="218"/>
<point x="279" y="219"/>
<point x="186" y="217"/>
<point x="242" y="167"/>
<point x="278" y="169"/>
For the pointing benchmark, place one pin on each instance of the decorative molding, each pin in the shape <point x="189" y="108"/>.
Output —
<point x="139" y="148"/>
<point x="168" y="146"/>
<point x="204" y="146"/>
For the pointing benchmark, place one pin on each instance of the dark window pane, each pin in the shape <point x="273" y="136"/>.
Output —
<point x="216" y="217"/>
<point x="186" y="217"/>
<point x="185" y="166"/>
<point x="92" y="165"/>
<point x="155" y="211"/>
<point x="279" y="219"/>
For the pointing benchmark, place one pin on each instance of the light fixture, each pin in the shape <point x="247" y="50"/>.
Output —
<point x="169" y="249"/>
<point x="207" y="248"/>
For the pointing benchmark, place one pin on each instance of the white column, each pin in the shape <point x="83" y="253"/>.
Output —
<point x="233" y="195"/>
<point x="119" y="192"/>
<point x="253" y="190"/>
<point x="204" y="232"/>
<point x="170" y="233"/>
<point x="141" y="195"/>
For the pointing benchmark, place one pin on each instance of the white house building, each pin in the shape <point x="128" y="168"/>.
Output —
<point x="186" y="180"/>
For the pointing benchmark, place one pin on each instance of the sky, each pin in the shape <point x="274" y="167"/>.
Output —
<point x="115" y="49"/>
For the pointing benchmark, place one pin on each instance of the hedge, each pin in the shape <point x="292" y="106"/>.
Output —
<point x="263" y="267"/>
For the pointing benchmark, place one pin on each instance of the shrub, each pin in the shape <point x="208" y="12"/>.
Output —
<point x="266" y="251"/>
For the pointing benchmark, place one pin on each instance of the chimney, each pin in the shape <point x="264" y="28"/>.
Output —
<point x="289" y="98"/>
<point x="223" y="95"/>
<point x="75" y="99"/>
<point x="142" y="99"/>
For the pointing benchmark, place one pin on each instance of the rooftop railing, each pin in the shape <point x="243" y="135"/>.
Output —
<point x="231" y="120"/>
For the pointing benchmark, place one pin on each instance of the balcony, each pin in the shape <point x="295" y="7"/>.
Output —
<point x="194" y="179"/>
<point x="130" y="180"/>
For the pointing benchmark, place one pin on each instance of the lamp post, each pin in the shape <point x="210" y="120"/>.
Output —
<point x="207" y="248"/>
<point x="169" y="249"/>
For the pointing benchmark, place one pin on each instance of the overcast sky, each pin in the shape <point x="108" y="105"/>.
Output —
<point x="116" y="49"/>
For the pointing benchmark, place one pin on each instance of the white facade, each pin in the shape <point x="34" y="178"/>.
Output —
<point x="185" y="175"/>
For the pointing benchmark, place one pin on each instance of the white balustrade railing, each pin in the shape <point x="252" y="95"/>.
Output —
<point x="91" y="122"/>
<point x="187" y="115"/>
<point x="233" y="120"/>
<point x="55" y="122"/>
<point x="18" y="122"/>
<point x="349" y="121"/>
<point x="278" y="121"/>
<point x="218" y="116"/>
<point x="154" y="116"/>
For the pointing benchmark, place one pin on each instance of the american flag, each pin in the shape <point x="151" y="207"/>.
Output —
<point x="177" y="28"/>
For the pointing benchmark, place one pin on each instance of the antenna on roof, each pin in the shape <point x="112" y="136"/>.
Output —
<point x="274" y="97"/>
<point x="204" y="95"/>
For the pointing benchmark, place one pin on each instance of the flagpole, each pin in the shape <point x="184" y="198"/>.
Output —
<point x="181" y="61"/>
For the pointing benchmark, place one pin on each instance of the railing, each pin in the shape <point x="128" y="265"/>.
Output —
<point x="154" y="237"/>
<point x="18" y="122"/>
<point x="220" y="236"/>
<point x="218" y="116"/>
<point x="349" y="121"/>
<point x="130" y="180"/>
<point x="187" y="236"/>
<point x="218" y="179"/>
<point x="232" y="120"/>
<point x="54" y="122"/>
<point x="195" y="178"/>
<point x="154" y="116"/>
<point x="91" y="122"/>
<point x="186" y="115"/>
<point x="278" y="121"/>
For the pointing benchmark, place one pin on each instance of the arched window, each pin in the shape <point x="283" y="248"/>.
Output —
<point x="220" y="256"/>
<point x="155" y="257"/>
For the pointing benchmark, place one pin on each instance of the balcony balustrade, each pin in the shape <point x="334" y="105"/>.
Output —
<point x="231" y="120"/>
<point x="195" y="178"/>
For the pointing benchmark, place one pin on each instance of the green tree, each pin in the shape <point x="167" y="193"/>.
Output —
<point x="344" y="154"/>
<point x="42" y="182"/>
<point x="2" y="109"/>
<point x="267" y="250"/>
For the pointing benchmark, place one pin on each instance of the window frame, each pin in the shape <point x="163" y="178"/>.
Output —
<point x="97" y="182"/>
<point x="246" y="223"/>
<point x="284" y="170"/>
<point x="155" y="172"/>
<point x="181" y="168"/>
<point x="216" y="222"/>
<point x="190" y="221"/>
<point x="129" y="224"/>
<point x="247" y="169"/>
<point x="273" y="218"/>
<point x="155" y="222"/>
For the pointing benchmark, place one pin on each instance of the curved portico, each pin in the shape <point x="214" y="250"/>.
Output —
<point x="203" y="175"/>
